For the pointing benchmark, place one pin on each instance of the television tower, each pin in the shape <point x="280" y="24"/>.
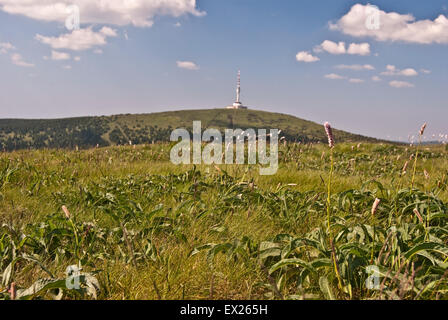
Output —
<point x="237" y="104"/>
<point x="238" y="87"/>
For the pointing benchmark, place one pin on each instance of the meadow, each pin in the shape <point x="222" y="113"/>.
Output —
<point x="143" y="228"/>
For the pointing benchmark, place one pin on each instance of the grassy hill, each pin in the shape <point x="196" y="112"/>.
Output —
<point x="86" y="132"/>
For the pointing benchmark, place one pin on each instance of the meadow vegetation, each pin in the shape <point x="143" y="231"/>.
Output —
<point x="143" y="228"/>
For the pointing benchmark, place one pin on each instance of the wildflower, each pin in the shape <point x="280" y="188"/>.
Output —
<point x="66" y="212"/>
<point x="330" y="136"/>
<point x="418" y="215"/>
<point x="12" y="291"/>
<point x="405" y="167"/>
<point x="422" y="130"/>
<point x="426" y="174"/>
<point x="375" y="206"/>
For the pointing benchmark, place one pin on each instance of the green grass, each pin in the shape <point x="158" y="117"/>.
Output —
<point x="146" y="229"/>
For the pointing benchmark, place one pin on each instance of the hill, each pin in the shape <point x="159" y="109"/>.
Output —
<point x="86" y="132"/>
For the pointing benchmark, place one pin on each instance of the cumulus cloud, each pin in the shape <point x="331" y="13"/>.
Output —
<point x="376" y="79"/>
<point x="393" y="26"/>
<point x="56" y="55"/>
<point x="78" y="40"/>
<point x="305" y="56"/>
<point x="393" y="71"/>
<point x="139" y="13"/>
<point x="401" y="84"/>
<point x="356" y="80"/>
<point x="355" y="67"/>
<point x="362" y="49"/>
<point x="334" y="76"/>
<point x="187" y="65"/>
<point x="331" y="47"/>
<point x="17" y="59"/>
<point x="425" y="71"/>
<point x="5" y="47"/>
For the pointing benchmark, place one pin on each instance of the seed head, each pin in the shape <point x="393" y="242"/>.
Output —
<point x="405" y="168"/>
<point x="12" y="291"/>
<point x="419" y="216"/>
<point x="66" y="212"/>
<point x="330" y="136"/>
<point x="422" y="130"/>
<point x="426" y="174"/>
<point x="375" y="206"/>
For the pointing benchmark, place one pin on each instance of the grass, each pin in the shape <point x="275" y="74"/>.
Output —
<point x="146" y="229"/>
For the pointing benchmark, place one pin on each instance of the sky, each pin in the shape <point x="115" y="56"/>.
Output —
<point x="375" y="68"/>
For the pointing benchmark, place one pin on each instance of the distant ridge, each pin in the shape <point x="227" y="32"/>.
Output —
<point x="86" y="132"/>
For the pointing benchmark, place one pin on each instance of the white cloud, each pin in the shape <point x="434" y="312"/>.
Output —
<point x="139" y="13"/>
<point x="17" y="59"/>
<point x="98" y="51"/>
<point x="305" y="56"/>
<point x="5" y="47"/>
<point x="78" y="40"/>
<point x="355" y="67"/>
<point x="376" y="79"/>
<point x="334" y="76"/>
<point x="55" y="55"/>
<point x="67" y="67"/>
<point x="187" y="65"/>
<point x="362" y="49"/>
<point x="356" y="81"/>
<point x="391" y="70"/>
<point x="409" y="72"/>
<point x="401" y="84"/>
<point x="77" y="59"/>
<point x="393" y="26"/>
<point x="331" y="47"/>
<point x="425" y="71"/>
<point x="177" y="24"/>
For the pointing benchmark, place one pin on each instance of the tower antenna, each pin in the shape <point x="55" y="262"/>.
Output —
<point x="238" y="87"/>
<point x="237" y="104"/>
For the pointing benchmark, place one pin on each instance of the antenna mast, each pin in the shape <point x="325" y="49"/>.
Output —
<point x="238" y="87"/>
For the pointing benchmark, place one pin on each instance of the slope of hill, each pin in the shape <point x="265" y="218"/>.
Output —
<point x="87" y="132"/>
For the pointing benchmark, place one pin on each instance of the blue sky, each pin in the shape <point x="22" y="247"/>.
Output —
<point x="137" y="70"/>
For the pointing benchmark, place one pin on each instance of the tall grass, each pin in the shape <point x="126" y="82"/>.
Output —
<point x="142" y="228"/>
